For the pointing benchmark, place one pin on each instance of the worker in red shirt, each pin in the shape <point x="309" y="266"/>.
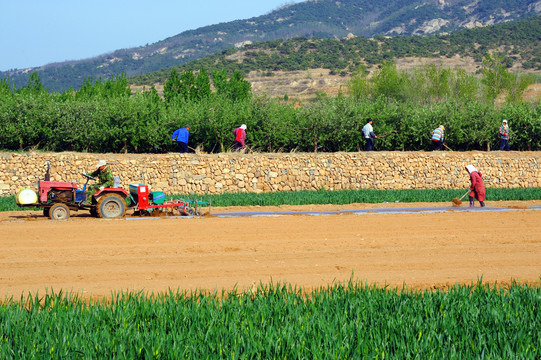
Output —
<point x="477" y="186"/>
<point x="240" y="137"/>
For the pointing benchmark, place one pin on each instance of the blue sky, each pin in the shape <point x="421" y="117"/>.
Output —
<point x="39" y="32"/>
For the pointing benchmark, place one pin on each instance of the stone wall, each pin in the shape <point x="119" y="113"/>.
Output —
<point x="235" y="172"/>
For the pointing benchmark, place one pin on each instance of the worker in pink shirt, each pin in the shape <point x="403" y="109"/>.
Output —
<point x="477" y="186"/>
<point x="240" y="137"/>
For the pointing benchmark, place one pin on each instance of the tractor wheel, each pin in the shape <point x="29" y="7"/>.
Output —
<point x="190" y="211"/>
<point x="111" y="206"/>
<point x="59" y="211"/>
<point x="46" y="211"/>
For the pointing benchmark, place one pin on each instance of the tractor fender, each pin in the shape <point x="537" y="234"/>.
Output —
<point x="118" y="191"/>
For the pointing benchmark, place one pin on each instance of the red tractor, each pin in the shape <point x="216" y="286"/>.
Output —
<point x="58" y="198"/>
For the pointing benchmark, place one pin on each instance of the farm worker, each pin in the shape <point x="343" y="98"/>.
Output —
<point x="369" y="136"/>
<point x="181" y="137"/>
<point x="477" y="186"/>
<point x="105" y="178"/>
<point x="504" y="136"/>
<point x="240" y="137"/>
<point x="437" y="137"/>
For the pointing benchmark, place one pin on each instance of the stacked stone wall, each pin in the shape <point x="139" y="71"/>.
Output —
<point x="235" y="172"/>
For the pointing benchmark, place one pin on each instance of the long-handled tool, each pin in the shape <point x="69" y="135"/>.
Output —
<point x="447" y="147"/>
<point x="458" y="202"/>
<point x="387" y="135"/>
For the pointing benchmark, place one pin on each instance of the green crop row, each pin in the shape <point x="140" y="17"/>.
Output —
<point x="339" y="197"/>
<point x="341" y="321"/>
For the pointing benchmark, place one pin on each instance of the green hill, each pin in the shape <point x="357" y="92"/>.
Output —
<point x="518" y="42"/>
<point x="324" y="19"/>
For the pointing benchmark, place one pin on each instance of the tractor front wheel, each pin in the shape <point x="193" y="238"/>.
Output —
<point x="111" y="206"/>
<point x="59" y="211"/>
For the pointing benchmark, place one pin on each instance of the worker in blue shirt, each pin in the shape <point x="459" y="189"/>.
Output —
<point x="181" y="137"/>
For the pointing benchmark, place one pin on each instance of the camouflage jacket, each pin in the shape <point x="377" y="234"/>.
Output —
<point x="105" y="177"/>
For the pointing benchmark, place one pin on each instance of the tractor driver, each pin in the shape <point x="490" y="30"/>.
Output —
<point x="105" y="178"/>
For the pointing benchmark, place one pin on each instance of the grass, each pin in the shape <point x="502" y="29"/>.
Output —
<point x="340" y="197"/>
<point x="349" y="320"/>
<point x="360" y="196"/>
<point x="7" y="203"/>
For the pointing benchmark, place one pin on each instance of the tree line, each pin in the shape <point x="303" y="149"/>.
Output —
<point x="103" y="116"/>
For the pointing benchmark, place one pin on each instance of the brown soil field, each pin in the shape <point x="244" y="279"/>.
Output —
<point x="95" y="258"/>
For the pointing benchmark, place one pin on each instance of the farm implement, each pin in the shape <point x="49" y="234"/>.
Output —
<point x="58" y="199"/>
<point x="154" y="204"/>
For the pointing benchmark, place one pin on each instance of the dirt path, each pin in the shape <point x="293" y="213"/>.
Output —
<point x="94" y="258"/>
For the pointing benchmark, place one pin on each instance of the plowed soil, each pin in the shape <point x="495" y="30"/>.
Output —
<point x="96" y="258"/>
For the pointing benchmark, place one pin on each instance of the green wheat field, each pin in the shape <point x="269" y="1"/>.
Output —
<point x="342" y="321"/>
<point x="341" y="197"/>
<point x="278" y="321"/>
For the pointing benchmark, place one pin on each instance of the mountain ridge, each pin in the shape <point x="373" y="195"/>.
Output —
<point x="518" y="42"/>
<point x="313" y="18"/>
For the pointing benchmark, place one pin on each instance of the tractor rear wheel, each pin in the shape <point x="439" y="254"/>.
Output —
<point x="59" y="211"/>
<point x="111" y="206"/>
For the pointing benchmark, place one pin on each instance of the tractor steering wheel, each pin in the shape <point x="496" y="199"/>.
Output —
<point x="88" y="176"/>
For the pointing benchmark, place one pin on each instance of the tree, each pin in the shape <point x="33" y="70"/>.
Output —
<point x="498" y="80"/>
<point x="116" y="86"/>
<point x="359" y="85"/>
<point x="5" y="87"/>
<point x="172" y="87"/>
<point x="187" y="85"/>
<point x="389" y="82"/>
<point x="202" y="84"/>
<point x="494" y="76"/>
<point x="219" y="78"/>
<point x="516" y="85"/>
<point x="34" y="83"/>
<point x="238" y="88"/>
